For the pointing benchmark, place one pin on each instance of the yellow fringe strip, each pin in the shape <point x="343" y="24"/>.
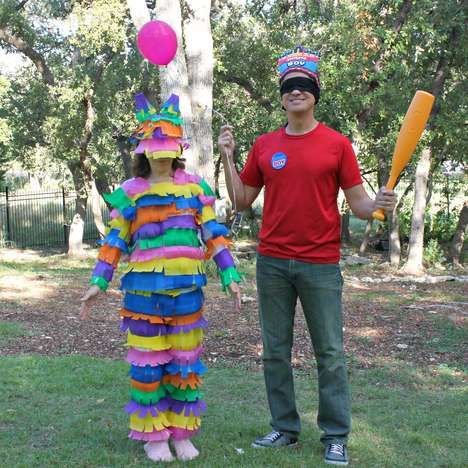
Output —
<point x="183" y="422"/>
<point x="186" y="341"/>
<point x="123" y="225"/>
<point x="154" y="343"/>
<point x="162" y="154"/>
<point x="170" y="266"/>
<point x="149" y="423"/>
<point x="207" y="214"/>
<point x="169" y="292"/>
<point x="169" y="188"/>
<point x="183" y="341"/>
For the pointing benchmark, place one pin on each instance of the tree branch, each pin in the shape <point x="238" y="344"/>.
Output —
<point x="400" y="20"/>
<point x="21" y="5"/>
<point x="248" y="86"/>
<point x="19" y="44"/>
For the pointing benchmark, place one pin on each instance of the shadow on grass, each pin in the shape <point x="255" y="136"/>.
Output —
<point x="67" y="411"/>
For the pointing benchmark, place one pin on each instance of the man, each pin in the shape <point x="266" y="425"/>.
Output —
<point x="302" y="166"/>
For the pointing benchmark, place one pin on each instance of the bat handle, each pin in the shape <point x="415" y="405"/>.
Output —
<point x="379" y="215"/>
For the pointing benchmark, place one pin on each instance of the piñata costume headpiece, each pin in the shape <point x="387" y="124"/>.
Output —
<point x="159" y="135"/>
<point x="301" y="59"/>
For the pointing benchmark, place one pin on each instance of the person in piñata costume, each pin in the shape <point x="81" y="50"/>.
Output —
<point x="163" y="221"/>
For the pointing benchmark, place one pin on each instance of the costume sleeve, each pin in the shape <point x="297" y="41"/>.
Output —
<point x="213" y="235"/>
<point x="251" y="174"/>
<point x="349" y="173"/>
<point x="117" y="238"/>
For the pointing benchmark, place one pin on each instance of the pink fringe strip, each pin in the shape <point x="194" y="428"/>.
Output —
<point x="135" y="185"/>
<point x="185" y="357"/>
<point x="207" y="199"/>
<point x="156" y="436"/>
<point x="139" y="255"/>
<point x="180" y="434"/>
<point x="144" y="358"/>
<point x="181" y="177"/>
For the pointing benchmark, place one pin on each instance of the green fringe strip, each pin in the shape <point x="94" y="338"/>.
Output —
<point x="99" y="281"/>
<point x="119" y="199"/>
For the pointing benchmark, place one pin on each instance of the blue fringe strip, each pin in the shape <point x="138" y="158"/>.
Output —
<point x="113" y="240"/>
<point x="212" y="229"/>
<point x="181" y="203"/>
<point x="143" y="281"/>
<point x="146" y="374"/>
<point x="197" y="367"/>
<point x="163" y="305"/>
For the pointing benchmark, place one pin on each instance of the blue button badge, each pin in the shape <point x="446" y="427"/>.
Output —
<point x="278" y="160"/>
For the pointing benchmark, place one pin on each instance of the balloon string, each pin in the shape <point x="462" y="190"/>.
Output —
<point x="223" y="119"/>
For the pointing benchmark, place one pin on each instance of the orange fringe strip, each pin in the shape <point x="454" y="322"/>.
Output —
<point x="156" y="319"/>
<point x="193" y="381"/>
<point x="145" y="387"/>
<point x="213" y="244"/>
<point x="153" y="214"/>
<point x="109" y="254"/>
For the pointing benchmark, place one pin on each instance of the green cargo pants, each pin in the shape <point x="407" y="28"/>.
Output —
<point x="319" y="287"/>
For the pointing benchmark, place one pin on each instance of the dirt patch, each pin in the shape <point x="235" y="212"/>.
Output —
<point x="414" y="323"/>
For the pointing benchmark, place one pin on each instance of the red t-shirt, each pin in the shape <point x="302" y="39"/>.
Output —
<point x="301" y="175"/>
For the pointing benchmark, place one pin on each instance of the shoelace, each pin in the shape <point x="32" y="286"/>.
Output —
<point x="273" y="436"/>
<point x="337" y="449"/>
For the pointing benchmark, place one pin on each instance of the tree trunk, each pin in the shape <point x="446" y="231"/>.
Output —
<point x="138" y="12"/>
<point x="82" y="180"/>
<point x="82" y="187"/>
<point x="394" y="239"/>
<point x="414" y="263"/>
<point x="394" y="228"/>
<point x="199" y="56"/>
<point x="125" y="155"/>
<point x="459" y="236"/>
<point x="96" y="207"/>
<point x="345" y="234"/>
<point x="365" y="239"/>
<point x="174" y="77"/>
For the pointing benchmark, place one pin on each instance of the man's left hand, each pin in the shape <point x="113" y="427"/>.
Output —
<point x="385" y="199"/>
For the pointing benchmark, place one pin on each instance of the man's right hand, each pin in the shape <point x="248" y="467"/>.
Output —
<point x="89" y="297"/>
<point x="226" y="142"/>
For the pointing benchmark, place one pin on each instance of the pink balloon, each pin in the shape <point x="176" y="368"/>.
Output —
<point x="157" y="42"/>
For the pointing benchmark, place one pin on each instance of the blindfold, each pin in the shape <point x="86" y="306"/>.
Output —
<point x="301" y="84"/>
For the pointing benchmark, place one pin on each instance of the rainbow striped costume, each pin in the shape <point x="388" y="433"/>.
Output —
<point x="167" y="230"/>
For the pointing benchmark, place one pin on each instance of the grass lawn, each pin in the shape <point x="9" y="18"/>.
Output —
<point x="64" y="387"/>
<point x="66" y="411"/>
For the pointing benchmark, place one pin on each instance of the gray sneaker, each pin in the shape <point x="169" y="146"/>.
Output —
<point x="336" y="454"/>
<point x="275" y="439"/>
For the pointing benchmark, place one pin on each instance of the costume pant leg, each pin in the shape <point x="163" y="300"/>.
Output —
<point x="164" y="352"/>
<point x="320" y="289"/>
<point x="277" y="301"/>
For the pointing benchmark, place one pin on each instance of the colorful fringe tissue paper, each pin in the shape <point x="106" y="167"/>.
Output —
<point x="165" y="231"/>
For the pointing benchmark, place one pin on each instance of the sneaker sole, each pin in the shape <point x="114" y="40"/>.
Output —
<point x="330" y="462"/>
<point x="254" y="445"/>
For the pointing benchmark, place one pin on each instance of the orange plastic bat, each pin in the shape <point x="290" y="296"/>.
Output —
<point x="410" y="133"/>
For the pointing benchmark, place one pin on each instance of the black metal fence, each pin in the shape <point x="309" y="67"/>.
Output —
<point x="42" y="218"/>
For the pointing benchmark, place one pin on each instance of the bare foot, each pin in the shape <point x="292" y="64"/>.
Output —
<point x="185" y="450"/>
<point x="158" y="451"/>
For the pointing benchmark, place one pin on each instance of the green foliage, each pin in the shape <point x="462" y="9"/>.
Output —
<point x="89" y="47"/>
<point x="443" y="226"/>
<point x="433" y="253"/>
